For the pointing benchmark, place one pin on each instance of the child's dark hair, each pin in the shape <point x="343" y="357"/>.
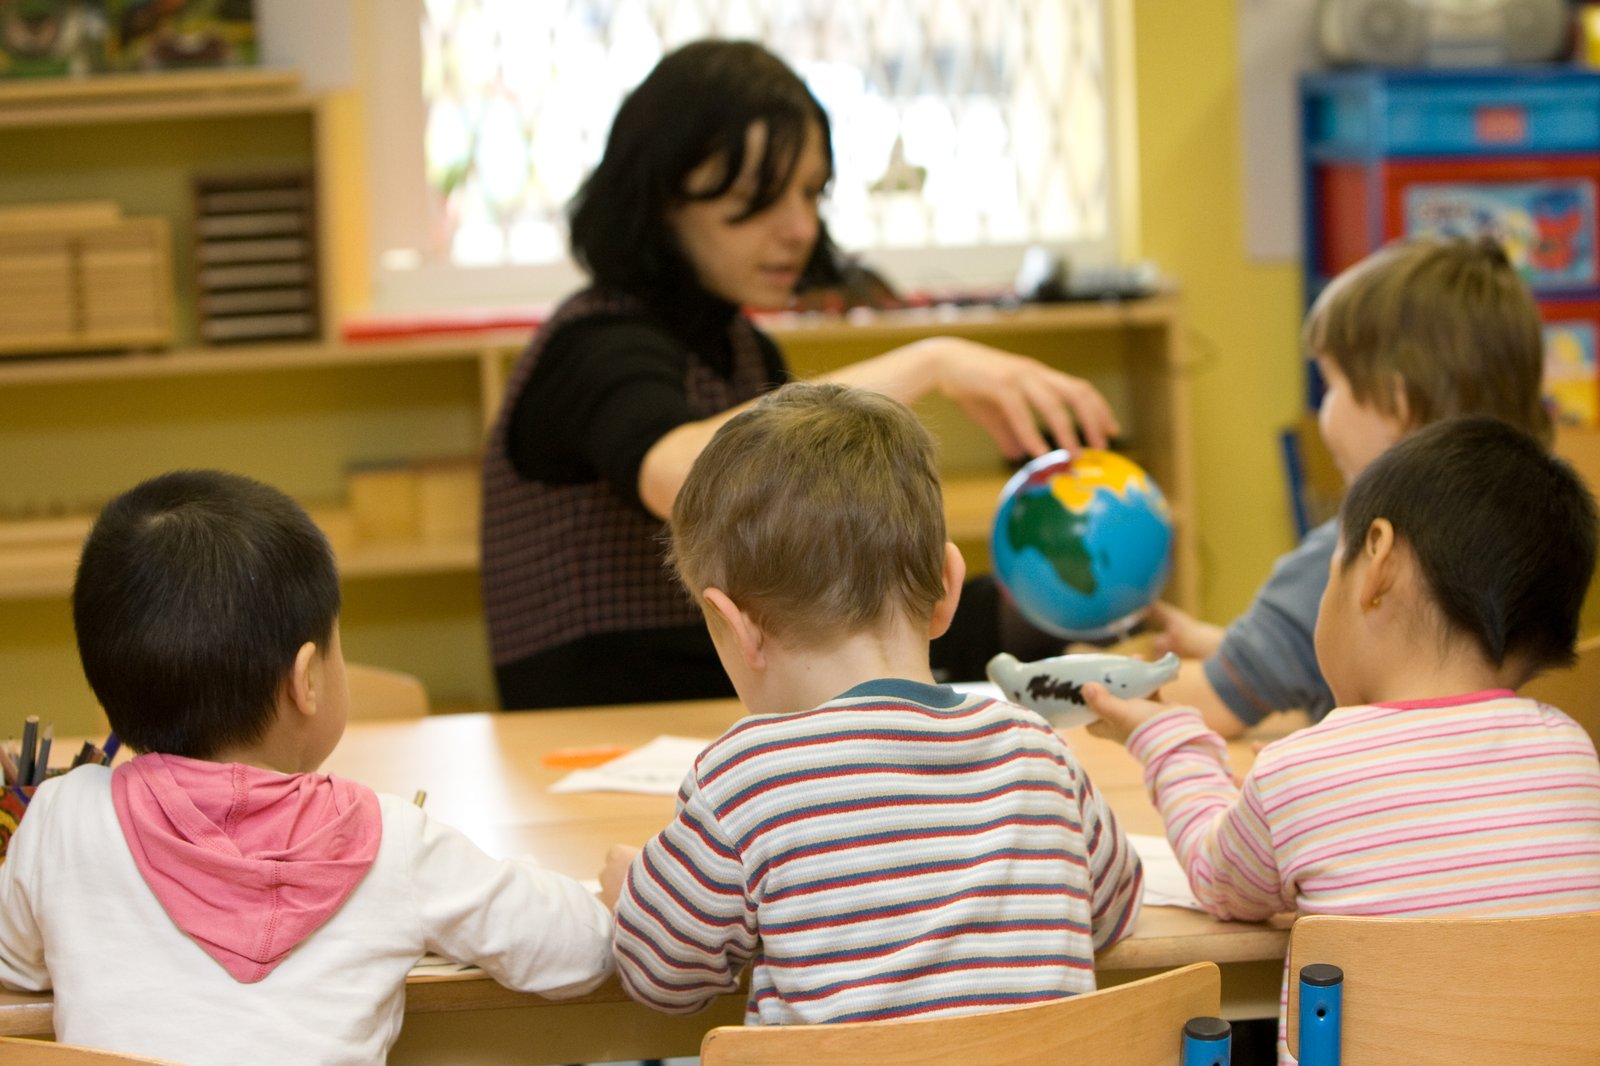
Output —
<point x="194" y="593"/>
<point x="697" y="104"/>
<point x="1502" y="531"/>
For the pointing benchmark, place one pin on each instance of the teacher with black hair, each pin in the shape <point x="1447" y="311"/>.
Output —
<point x="704" y="204"/>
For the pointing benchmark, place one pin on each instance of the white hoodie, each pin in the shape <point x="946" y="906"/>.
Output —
<point x="77" y="914"/>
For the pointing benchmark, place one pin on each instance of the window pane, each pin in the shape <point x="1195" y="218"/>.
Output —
<point x="955" y="122"/>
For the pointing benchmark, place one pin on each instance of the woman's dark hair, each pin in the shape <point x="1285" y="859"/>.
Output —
<point x="1503" y="532"/>
<point x="697" y="104"/>
<point x="194" y="593"/>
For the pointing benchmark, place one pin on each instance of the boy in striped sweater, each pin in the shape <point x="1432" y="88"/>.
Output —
<point x="872" y="844"/>
<point x="1432" y="788"/>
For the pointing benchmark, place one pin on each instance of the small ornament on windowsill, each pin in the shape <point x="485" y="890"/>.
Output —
<point x="900" y="175"/>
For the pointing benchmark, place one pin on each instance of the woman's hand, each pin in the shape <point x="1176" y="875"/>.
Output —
<point x="1010" y="395"/>
<point x="1183" y="633"/>
<point x="1118" y="717"/>
<point x="1007" y="395"/>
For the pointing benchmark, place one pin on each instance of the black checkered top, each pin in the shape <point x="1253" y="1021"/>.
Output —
<point x="564" y="561"/>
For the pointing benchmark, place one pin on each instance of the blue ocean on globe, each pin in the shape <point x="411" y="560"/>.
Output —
<point x="1082" y="543"/>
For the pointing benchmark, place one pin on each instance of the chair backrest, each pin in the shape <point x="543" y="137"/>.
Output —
<point x="1575" y="689"/>
<point x="379" y="693"/>
<point x="1136" y="1024"/>
<point x="1463" y="991"/>
<point x="15" y="1051"/>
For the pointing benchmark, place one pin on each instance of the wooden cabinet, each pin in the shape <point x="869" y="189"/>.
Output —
<point x="139" y="141"/>
<point x="76" y="430"/>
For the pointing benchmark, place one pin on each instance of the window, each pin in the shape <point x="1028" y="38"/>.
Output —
<point x="963" y="130"/>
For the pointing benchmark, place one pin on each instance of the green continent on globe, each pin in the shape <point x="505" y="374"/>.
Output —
<point x="1038" y="520"/>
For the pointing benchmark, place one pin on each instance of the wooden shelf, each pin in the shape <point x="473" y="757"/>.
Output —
<point x="896" y="327"/>
<point x="153" y="97"/>
<point x="969" y="506"/>
<point x="888" y="328"/>
<point x="45" y="571"/>
<point x="248" y="358"/>
<point x="401" y="558"/>
<point x="38" y="559"/>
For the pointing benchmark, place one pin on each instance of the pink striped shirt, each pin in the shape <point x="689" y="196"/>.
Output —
<point x="1478" y="805"/>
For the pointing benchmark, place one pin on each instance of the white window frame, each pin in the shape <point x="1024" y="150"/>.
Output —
<point x="399" y="211"/>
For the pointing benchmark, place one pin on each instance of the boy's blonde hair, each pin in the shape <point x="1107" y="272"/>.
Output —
<point x="818" y="512"/>
<point x="1455" y="322"/>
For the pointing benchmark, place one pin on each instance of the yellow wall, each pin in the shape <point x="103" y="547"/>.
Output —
<point x="1243" y="317"/>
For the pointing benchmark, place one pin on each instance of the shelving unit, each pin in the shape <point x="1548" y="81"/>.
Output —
<point x="975" y="472"/>
<point x="140" y="139"/>
<point x="77" y="430"/>
<point x="298" y="416"/>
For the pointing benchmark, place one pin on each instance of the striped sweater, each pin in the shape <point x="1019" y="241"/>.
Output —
<point x="901" y="850"/>
<point x="1472" y="806"/>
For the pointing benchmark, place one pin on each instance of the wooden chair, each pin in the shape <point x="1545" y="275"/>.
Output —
<point x="1575" y="689"/>
<point x="379" y="693"/>
<point x="1463" y="991"/>
<point x="15" y="1051"/>
<point x="1136" y="1024"/>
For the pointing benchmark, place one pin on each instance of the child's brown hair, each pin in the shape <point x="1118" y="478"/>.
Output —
<point x="818" y="512"/>
<point x="1450" y="319"/>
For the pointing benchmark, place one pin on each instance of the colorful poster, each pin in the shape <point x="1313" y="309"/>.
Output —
<point x="1570" y="371"/>
<point x="1547" y="227"/>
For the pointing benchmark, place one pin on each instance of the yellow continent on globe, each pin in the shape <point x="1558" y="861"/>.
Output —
<point x="1094" y="469"/>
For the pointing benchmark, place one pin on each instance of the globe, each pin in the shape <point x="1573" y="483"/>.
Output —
<point x="1082" y="543"/>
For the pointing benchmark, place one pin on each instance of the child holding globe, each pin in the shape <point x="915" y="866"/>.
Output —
<point x="1461" y="559"/>
<point x="1418" y="331"/>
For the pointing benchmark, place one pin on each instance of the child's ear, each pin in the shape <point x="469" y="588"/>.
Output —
<point x="304" y="679"/>
<point x="955" y="572"/>
<point x="1379" y="552"/>
<point x="1402" y="405"/>
<point x="748" y="637"/>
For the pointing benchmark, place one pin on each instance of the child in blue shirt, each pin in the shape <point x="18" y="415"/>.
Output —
<point x="1418" y="331"/>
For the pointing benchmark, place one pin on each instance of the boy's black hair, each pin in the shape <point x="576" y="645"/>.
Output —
<point x="194" y="593"/>
<point x="698" y="103"/>
<point x="1503" y="531"/>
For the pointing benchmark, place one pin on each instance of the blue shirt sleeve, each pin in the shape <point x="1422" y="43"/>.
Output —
<point x="1268" y="658"/>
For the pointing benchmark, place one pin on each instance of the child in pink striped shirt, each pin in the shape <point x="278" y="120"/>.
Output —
<point x="1432" y="788"/>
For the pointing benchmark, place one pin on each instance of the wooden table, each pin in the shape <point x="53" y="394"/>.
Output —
<point x="485" y="774"/>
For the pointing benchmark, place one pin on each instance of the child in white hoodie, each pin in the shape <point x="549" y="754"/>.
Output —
<point x="215" y="900"/>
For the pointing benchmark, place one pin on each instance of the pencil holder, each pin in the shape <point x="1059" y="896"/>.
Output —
<point x="14" y="800"/>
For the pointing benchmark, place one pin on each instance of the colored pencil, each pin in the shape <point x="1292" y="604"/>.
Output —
<point x="30" y="741"/>
<point x="41" y="765"/>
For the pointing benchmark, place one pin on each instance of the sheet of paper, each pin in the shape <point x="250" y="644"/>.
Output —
<point x="654" y="769"/>
<point x="1165" y="884"/>
<point x="438" y="966"/>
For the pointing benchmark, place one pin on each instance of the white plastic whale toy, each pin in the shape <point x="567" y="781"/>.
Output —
<point x="1054" y="687"/>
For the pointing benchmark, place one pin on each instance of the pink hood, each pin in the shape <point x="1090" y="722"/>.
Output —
<point x="248" y="862"/>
